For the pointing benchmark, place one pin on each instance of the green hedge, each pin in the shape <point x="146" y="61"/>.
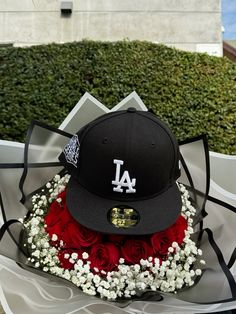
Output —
<point x="194" y="93"/>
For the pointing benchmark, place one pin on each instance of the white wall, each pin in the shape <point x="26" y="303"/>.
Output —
<point x="193" y="25"/>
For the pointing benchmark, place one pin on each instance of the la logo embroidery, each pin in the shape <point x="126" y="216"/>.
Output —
<point x="124" y="181"/>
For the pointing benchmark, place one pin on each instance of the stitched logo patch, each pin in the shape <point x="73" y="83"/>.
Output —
<point x="71" y="150"/>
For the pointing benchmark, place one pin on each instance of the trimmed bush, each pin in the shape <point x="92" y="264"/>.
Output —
<point x="194" y="93"/>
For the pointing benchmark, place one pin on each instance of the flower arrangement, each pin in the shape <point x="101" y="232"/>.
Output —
<point x="127" y="281"/>
<point x="112" y="266"/>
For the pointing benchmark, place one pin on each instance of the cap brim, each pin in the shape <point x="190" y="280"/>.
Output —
<point x="92" y="211"/>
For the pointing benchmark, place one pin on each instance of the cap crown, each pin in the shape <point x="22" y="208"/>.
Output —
<point x="127" y="156"/>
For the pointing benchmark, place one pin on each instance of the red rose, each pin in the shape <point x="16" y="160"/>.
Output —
<point x="134" y="250"/>
<point x="116" y="238"/>
<point x="161" y="241"/>
<point x="104" y="256"/>
<point x="60" y="222"/>
<point x="58" y="216"/>
<point x="76" y="235"/>
<point x="178" y="229"/>
<point x="64" y="257"/>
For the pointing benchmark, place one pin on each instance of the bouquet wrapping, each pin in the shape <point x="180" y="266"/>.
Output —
<point x="24" y="175"/>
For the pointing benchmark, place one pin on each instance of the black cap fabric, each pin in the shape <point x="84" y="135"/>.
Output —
<point x="123" y="160"/>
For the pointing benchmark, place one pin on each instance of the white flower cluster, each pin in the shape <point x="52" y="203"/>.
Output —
<point x="42" y="253"/>
<point x="176" y="272"/>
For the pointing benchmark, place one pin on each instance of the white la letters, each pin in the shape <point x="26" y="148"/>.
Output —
<point x="124" y="181"/>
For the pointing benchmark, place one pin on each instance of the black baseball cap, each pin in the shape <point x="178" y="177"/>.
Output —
<point x="124" y="166"/>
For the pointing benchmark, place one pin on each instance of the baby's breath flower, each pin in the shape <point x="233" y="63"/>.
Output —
<point x="198" y="272"/>
<point x="57" y="178"/>
<point x="85" y="255"/>
<point x="74" y="256"/>
<point x="152" y="273"/>
<point x="54" y="237"/>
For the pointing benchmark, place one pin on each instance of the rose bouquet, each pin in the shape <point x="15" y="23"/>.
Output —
<point x="109" y="265"/>
<point x="49" y="240"/>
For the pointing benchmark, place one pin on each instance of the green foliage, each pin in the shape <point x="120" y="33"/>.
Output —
<point x="194" y="93"/>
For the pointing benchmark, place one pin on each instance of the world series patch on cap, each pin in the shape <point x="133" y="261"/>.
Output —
<point x="124" y="166"/>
